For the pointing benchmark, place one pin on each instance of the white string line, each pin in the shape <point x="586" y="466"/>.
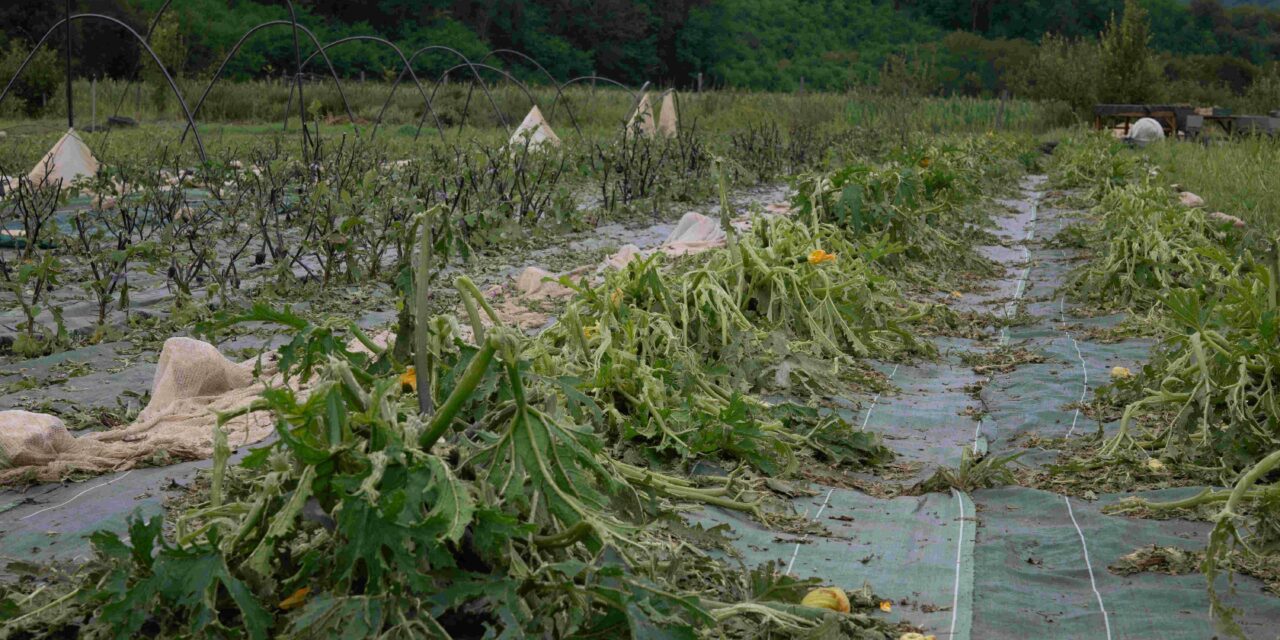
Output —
<point x="1011" y="307"/>
<point x="977" y="431"/>
<point x="874" y="400"/>
<point x="796" y="552"/>
<point x="1084" y="366"/>
<point x="1106" y="619"/>
<point x="75" y="497"/>
<point x="955" y="595"/>
<point x="1084" y="547"/>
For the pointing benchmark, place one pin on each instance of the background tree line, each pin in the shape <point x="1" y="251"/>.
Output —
<point x="1202" y="50"/>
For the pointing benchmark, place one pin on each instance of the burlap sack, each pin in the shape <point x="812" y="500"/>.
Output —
<point x="1218" y="216"/>
<point x="193" y="382"/>
<point x="533" y="283"/>
<point x="1189" y="199"/>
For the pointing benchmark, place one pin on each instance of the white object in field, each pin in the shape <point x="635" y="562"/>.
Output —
<point x="1189" y="199"/>
<point x="694" y="233"/>
<point x="1146" y="130"/>
<point x="642" y="119"/>
<point x="28" y="438"/>
<point x="1218" y="216"/>
<point x="667" y="118"/>
<point x="535" y="130"/>
<point x="193" y="383"/>
<point x="68" y="160"/>
<point x="3" y="134"/>
<point x="537" y="283"/>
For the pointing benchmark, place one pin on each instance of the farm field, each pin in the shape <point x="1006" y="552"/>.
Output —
<point x="990" y="374"/>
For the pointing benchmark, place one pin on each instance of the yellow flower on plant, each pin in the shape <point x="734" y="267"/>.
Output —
<point x="818" y="256"/>
<point x="591" y="331"/>
<point x="886" y="606"/>
<point x="409" y="379"/>
<point x="615" y="298"/>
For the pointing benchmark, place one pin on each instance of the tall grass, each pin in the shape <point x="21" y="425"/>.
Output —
<point x="1238" y="177"/>
<point x="265" y="101"/>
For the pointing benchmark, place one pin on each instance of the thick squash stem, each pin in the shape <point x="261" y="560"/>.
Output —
<point x="471" y="379"/>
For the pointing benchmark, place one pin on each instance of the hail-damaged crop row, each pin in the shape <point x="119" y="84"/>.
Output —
<point x="529" y="500"/>
<point x="915" y="205"/>
<point x="1209" y="394"/>
<point x="454" y="484"/>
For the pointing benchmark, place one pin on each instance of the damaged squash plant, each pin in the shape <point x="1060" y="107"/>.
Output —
<point x="1211" y="384"/>
<point x="496" y="512"/>
<point x="914" y="206"/>
<point x="1216" y="373"/>
<point x="1151" y="246"/>
<point x="773" y="311"/>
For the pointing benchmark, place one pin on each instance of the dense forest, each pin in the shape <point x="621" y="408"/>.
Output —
<point x="1205" y="49"/>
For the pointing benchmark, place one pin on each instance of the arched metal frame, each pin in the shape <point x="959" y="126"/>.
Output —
<point x="151" y="28"/>
<point x="635" y="95"/>
<point x="465" y="62"/>
<point x="297" y="71"/>
<point x="97" y="16"/>
<point x="550" y="78"/>
<point x="408" y="67"/>
<point x="475" y="67"/>
<point x="300" y="64"/>
<point x="297" y="74"/>
<point x="240" y="43"/>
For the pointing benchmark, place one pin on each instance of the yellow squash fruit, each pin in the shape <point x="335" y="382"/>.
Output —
<point x="832" y="598"/>
<point x="1121" y="372"/>
<point x="911" y="635"/>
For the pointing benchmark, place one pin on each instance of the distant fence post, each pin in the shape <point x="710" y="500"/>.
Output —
<point x="93" y="103"/>
<point x="699" y="82"/>
<point x="1004" y="97"/>
<point x="801" y="85"/>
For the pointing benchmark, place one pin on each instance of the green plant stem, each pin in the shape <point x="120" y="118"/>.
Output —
<point x="564" y="538"/>
<point x="59" y="601"/>
<point x="422" y="297"/>
<point x="468" y="288"/>
<point x="461" y="393"/>
<point x="1250" y="478"/>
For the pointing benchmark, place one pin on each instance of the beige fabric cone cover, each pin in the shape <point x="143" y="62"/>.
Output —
<point x="193" y="380"/>
<point x="66" y="161"/>
<point x="536" y="130"/>
<point x="668" y="121"/>
<point x="642" y="118"/>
